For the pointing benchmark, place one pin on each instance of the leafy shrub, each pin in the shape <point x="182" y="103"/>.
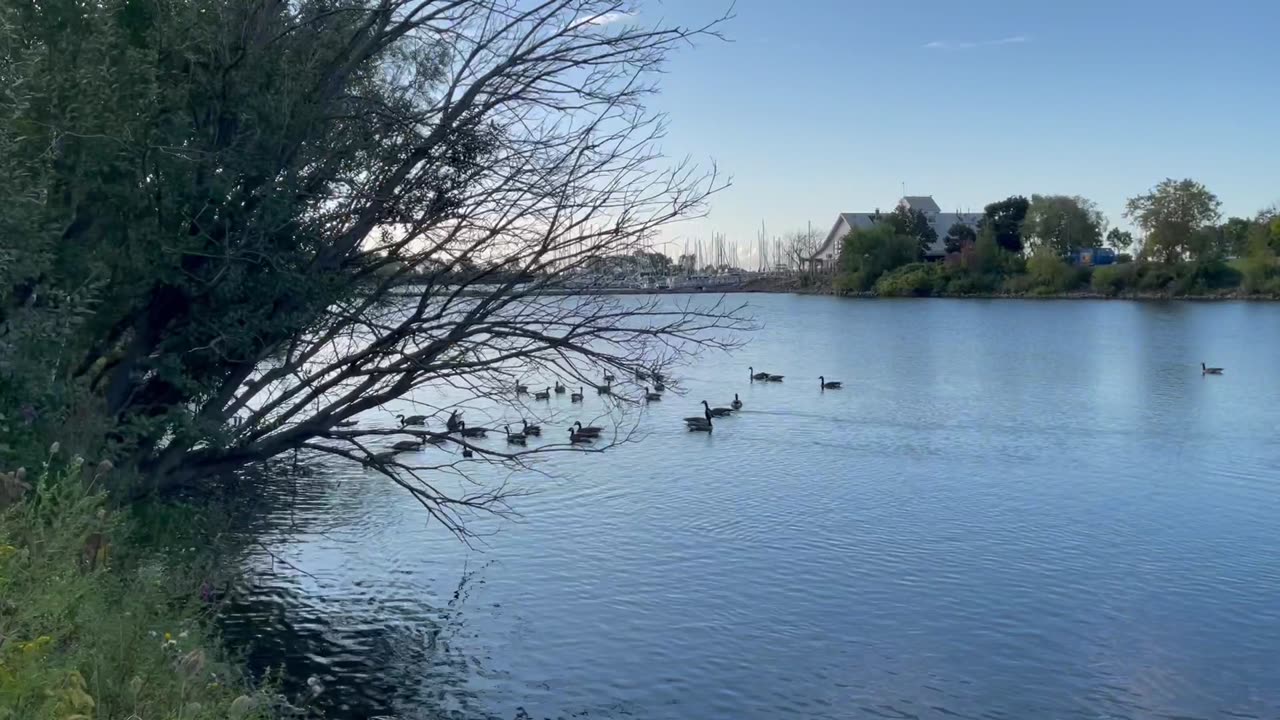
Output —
<point x="1217" y="274"/>
<point x="970" y="284"/>
<point x="1017" y="285"/>
<point x="1152" y="277"/>
<point x="1049" y="273"/>
<point x="866" y="254"/>
<point x="914" y="280"/>
<point x="1111" y="280"/>
<point x="90" y="627"/>
<point x="1259" y="273"/>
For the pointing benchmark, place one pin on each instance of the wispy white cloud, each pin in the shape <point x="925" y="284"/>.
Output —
<point x="607" y="18"/>
<point x="969" y="45"/>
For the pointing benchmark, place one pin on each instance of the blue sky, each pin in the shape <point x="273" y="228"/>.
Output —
<point x="821" y="106"/>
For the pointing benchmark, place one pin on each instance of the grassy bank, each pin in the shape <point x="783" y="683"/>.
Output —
<point x="92" y="625"/>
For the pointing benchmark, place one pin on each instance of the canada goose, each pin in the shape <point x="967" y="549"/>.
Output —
<point x="542" y="394"/>
<point x="412" y="420"/>
<point x="381" y="457"/>
<point x="466" y="452"/>
<point x="1209" y="371"/>
<point x="736" y="404"/>
<point x="608" y="377"/>
<point x="522" y="389"/>
<point x="717" y="412"/>
<point x="757" y="375"/>
<point x="578" y="438"/>
<point x="516" y="439"/>
<point x="576" y="397"/>
<point x="703" y="419"/>
<point x="704" y="426"/>
<point x="405" y="445"/>
<point x="651" y="396"/>
<point x="346" y="423"/>
<point x="774" y="378"/>
<point x="603" y="389"/>
<point x="833" y="385"/>
<point x="588" y="430"/>
<point x="659" y="387"/>
<point x="642" y="375"/>
<point x="471" y="432"/>
<point x="454" y="423"/>
<point x="531" y="430"/>
<point x="559" y="388"/>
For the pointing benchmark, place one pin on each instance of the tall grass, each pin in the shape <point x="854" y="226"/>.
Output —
<point x="95" y="627"/>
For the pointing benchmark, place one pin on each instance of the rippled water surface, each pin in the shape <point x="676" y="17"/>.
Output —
<point x="1012" y="510"/>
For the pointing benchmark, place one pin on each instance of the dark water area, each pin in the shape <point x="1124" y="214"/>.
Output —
<point x="1013" y="509"/>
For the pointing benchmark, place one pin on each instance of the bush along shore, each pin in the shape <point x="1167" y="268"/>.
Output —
<point x="1044" y="247"/>
<point x="97" y="623"/>
<point x="1127" y="281"/>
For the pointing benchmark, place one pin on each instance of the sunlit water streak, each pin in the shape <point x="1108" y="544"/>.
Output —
<point x="1012" y="510"/>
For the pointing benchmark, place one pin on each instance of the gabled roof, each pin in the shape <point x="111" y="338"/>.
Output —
<point x="924" y="203"/>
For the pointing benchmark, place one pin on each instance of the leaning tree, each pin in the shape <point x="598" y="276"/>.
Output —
<point x="240" y="224"/>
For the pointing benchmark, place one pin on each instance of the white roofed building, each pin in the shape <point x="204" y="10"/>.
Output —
<point x="828" y="254"/>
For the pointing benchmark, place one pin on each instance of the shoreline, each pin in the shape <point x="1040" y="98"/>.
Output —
<point x="1131" y="297"/>
<point x="778" y="289"/>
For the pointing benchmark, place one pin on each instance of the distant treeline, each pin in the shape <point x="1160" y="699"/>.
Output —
<point x="1030" y="247"/>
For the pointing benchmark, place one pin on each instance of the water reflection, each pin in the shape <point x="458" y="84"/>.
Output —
<point x="1013" y="509"/>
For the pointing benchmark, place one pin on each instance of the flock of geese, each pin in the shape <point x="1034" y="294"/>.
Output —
<point x="706" y="423"/>
<point x="579" y="434"/>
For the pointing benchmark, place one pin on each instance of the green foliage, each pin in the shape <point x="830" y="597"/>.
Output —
<point x="1063" y="223"/>
<point x="1264" y="233"/>
<point x="1170" y="215"/>
<point x="1235" y="236"/>
<point x="1206" y="277"/>
<point x="1260" y="271"/>
<point x="1049" y="273"/>
<point x="959" y="235"/>
<point x="866" y="254"/>
<point x="209" y="211"/>
<point x="1004" y="220"/>
<point x="1119" y="240"/>
<point x="1112" y="280"/>
<point x="965" y="283"/>
<point x="914" y="280"/>
<point x="92" y="626"/>
<point x="989" y="258"/>
<point x="1185" y="253"/>
<point x="913" y="223"/>
<point x="1260" y="275"/>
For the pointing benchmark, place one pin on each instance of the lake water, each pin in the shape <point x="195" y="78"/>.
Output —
<point x="1013" y="509"/>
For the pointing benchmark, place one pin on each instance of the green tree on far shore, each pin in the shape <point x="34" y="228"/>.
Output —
<point x="1004" y="219"/>
<point x="913" y="223"/>
<point x="1119" y="240"/>
<point x="868" y="253"/>
<point x="1064" y="223"/>
<point x="1170" y="216"/>
<point x="959" y="235"/>
<point x="1235" y="236"/>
